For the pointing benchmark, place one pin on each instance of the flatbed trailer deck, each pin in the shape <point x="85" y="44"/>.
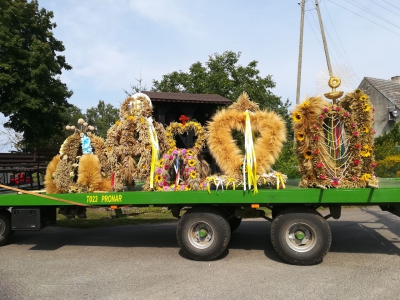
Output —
<point x="299" y="233"/>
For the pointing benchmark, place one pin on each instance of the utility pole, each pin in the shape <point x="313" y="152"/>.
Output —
<point x="328" y="61"/>
<point x="303" y="2"/>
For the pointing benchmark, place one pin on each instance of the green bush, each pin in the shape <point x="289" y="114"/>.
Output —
<point x="287" y="162"/>
<point x="388" y="167"/>
<point x="385" y="144"/>
<point x="384" y="149"/>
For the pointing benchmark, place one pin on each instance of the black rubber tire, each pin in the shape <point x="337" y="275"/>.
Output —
<point x="234" y="223"/>
<point x="316" y="244"/>
<point x="6" y="232"/>
<point x="203" y="218"/>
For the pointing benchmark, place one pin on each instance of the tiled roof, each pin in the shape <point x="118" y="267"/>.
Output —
<point x="186" y="97"/>
<point x="390" y="89"/>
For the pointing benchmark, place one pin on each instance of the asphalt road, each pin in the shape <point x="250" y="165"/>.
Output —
<point x="144" y="262"/>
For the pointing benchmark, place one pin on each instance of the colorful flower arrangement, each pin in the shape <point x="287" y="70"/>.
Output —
<point x="335" y="142"/>
<point x="224" y="182"/>
<point x="181" y="169"/>
<point x="178" y="171"/>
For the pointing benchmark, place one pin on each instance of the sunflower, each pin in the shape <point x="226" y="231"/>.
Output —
<point x="158" y="177"/>
<point x="366" y="107"/>
<point x="366" y="177"/>
<point x="367" y="147"/>
<point x="363" y="97"/>
<point x="365" y="153"/>
<point x="307" y="154"/>
<point x="190" y="152"/>
<point x="300" y="136"/>
<point x="191" y="162"/>
<point x="193" y="174"/>
<point x="365" y="129"/>
<point x="297" y="117"/>
<point x="305" y="104"/>
<point x="130" y="118"/>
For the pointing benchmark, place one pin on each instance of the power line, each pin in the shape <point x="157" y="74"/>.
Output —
<point x="372" y="13"/>
<point x="364" y="17"/>
<point x="384" y="7"/>
<point x="316" y="24"/>
<point x="314" y="33"/>
<point x="391" y="4"/>
<point x="344" y="50"/>
<point x="328" y="61"/>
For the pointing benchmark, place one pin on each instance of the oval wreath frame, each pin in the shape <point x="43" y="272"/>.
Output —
<point x="355" y="111"/>
<point x="175" y="128"/>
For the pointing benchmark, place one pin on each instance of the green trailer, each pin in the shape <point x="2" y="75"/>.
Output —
<point x="299" y="233"/>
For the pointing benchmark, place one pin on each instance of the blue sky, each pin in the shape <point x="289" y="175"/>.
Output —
<point x="110" y="43"/>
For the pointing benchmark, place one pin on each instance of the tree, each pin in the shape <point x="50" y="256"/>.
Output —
<point x="222" y="75"/>
<point x="70" y="115"/>
<point x="31" y="92"/>
<point x="102" y="117"/>
<point x="138" y="88"/>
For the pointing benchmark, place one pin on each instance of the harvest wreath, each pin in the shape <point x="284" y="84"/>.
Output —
<point x="246" y="117"/>
<point x="82" y="165"/>
<point x="334" y="142"/>
<point x="181" y="169"/>
<point x="134" y="143"/>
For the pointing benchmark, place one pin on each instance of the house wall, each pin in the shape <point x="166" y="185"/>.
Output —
<point x="382" y="124"/>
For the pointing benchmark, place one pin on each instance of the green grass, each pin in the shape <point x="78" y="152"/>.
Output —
<point x="101" y="217"/>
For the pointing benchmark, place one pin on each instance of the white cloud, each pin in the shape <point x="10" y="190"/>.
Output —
<point x="161" y="11"/>
<point x="168" y="12"/>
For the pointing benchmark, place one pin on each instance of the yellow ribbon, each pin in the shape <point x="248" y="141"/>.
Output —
<point x="231" y="181"/>
<point x="154" y="149"/>
<point x="250" y="163"/>
<point x="279" y="179"/>
<point x="208" y="184"/>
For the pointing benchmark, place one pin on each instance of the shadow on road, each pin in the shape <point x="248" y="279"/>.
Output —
<point x="347" y="236"/>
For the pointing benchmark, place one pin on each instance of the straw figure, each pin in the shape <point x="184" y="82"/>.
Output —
<point x="134" y="143"/>
<point x="81" y="166"/>
<point x="335" y="141"/>
<point x="246" y="117"/>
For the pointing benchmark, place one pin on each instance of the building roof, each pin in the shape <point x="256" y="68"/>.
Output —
<point x="388" y="88"/>
<point x="186" y="97"/>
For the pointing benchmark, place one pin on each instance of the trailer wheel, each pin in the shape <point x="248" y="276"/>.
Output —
<point x="301" y="236"/>
<point x="5" y="227"/>
<point x="203" y="234"/>
<point x="234" y="223"/>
